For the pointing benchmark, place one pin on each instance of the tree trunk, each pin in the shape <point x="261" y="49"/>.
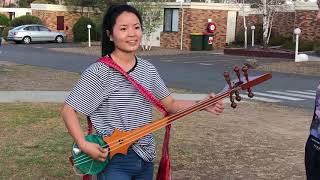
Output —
<point x="245" y="27"/>
<point x="265" y="23"/>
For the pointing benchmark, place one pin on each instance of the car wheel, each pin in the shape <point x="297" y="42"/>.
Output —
<point x="26" y="40"/>
<point x="59" y="39"/>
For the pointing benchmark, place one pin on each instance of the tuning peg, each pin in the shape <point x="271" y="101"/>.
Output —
<point x="246" y="75"/>
<point x="238" y="97"/>
<point x="233" y="104"/>
<point x="236" y="69"/>
<point x="227" y="78"/>
<point x="250" y="93"/>
<point x="245" y="72"/>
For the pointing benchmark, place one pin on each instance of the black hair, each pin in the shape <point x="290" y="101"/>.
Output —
<point x="109" y="20"/>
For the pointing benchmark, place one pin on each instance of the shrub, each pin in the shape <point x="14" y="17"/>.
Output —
<point x="240" y="37"/>
<point x="5" y="32"/>
<point x="306" y="46"/>
<point x="258" y="35"/>
<point x="27" y="19"/>
<point x="278" y="40"/>
<point x="80" y="30"/>
<point x="303" y="45"/>
<point x="4" y="20"/>
<point x="44" y="2"/>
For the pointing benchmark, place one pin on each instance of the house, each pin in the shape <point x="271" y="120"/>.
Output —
<point x="12" y="13"/>
<point x="181" y="19"/>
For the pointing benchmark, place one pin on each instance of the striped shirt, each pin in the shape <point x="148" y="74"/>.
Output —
<point x="315" y="125"/>
<point x="112" y="101"/>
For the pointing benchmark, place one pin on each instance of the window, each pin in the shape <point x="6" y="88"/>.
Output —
<point x="41" y="28"/>
<point x="60" y="22"/>
<point x="28" y="13"/>
<point x="171" y="20"/>
<point x="12" y="15"/>
<point x="32" y="28"/>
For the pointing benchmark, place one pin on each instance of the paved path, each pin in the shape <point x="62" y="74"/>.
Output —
<point x="59" y="96"/>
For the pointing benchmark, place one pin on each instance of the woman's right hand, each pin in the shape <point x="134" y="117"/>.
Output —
<point x="94" y="150"/>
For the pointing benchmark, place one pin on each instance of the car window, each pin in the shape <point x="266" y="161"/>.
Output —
<point x="42" y="28"/>
<point x="31" y="28"/>
<point x="18" y="28"/>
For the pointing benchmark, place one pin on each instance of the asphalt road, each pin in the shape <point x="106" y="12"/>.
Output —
<point x="200" y="73"/>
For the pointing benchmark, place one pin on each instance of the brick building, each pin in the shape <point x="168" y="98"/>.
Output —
<point x="59" y="17"/>
<point x="194" y="19"/>
<point x="300" y="14"/>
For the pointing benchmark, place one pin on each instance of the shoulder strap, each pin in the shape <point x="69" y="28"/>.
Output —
<point x="144" y="92"/>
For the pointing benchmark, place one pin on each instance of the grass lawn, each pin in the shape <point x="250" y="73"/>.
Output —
<point x="236" y="145"/>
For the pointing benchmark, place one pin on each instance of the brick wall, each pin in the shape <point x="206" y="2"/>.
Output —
<point x="310" y="28"/>
<point x="285" y="22"/>
<point x="49" y="18"/>
<point x="195" y="21"/>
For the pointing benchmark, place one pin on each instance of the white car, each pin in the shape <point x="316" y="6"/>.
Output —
<point x="35" y="32"/>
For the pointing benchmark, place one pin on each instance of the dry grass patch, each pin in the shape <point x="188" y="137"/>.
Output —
<point x="305" y="68"/>
<point x="24" y="77"/>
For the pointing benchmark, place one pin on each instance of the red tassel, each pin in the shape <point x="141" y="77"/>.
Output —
<point x="164" y="171"/>
<point x="86" y="177"/>
<point x="90" y="129"/>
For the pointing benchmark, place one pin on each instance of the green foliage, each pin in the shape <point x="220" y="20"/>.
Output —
<point x="80" y="30"/>
<point x="5" y="32"/>
<point x="23" y="4"/>
<point x="4" y="20"/>
<point x="278" y="40"/>
<point x="303" y="45"/>
<point x="44" y="1"/>
<point x="258" y="35"/>
<point x="239" y="39"/>
<point x="152" y="17"/>
<point x="11" y="5"/>
<point x="27" y="19"/>
<point x="93" y="5"/>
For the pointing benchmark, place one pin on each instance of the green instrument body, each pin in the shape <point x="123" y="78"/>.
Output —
<point x="83" y="163"/>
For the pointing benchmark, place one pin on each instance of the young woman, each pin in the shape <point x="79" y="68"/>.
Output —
<point x="112" y="101"/>
<point x="312" y="149"/>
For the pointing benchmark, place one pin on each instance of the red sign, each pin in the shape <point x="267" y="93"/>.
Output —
<point x="211" y="27"/>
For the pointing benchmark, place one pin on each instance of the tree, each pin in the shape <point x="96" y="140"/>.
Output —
<point x="269" y="9"/>
<point x="152" y="14"/>
<point x="98" y="6"/>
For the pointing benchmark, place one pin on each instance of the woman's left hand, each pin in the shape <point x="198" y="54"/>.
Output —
<point x="217" y="108"/>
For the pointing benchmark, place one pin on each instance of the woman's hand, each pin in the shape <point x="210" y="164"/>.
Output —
<point x="94" y="150"/>
<point x="215" y="108"/>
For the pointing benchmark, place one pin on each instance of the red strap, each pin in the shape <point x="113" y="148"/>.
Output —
<point x="164" y="166"/>
<point x="147" y="94"/>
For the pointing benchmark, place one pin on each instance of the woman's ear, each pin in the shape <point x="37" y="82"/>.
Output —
<point x="109" y="35"/>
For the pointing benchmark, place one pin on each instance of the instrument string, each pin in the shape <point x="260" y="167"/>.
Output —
<point x="127" y="139"/>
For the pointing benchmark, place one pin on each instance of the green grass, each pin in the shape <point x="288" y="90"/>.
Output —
<point x="34" y="142"/>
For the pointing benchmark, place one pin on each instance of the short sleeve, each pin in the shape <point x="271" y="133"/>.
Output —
<point x="87" y="94"/>
<point x="160" y="90"/>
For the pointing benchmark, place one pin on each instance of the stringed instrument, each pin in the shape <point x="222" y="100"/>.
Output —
<point x="119" y="142"/>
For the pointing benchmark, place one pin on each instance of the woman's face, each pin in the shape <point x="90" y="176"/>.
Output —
<point x="127" y="32"/>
